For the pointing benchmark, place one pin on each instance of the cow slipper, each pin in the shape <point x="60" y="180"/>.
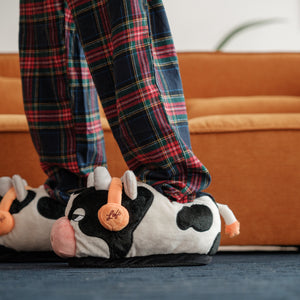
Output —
<point x="26" y="218"/>
<point x="124" y="223"/>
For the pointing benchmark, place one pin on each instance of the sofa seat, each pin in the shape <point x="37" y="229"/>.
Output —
<point x="240" y="151"/>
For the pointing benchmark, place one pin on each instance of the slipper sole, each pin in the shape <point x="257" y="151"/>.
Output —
<point x="164" y="260"/>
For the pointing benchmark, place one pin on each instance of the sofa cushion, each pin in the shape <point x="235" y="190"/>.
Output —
<point x="13" y="123"/>
<point x="197" y="107"/>
<point x="245" y="122"/>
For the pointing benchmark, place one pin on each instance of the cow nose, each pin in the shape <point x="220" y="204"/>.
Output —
<point x="63" y="238"/>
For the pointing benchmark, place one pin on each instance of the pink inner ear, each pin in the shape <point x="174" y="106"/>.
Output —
<point x="63" y="238"/>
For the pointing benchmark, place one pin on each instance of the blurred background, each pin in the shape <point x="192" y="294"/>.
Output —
<point x="201" y="25"/>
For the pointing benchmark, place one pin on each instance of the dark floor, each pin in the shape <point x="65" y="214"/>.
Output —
<point x="230" y="276"/>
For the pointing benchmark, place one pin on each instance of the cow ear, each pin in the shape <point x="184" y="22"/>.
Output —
<point x="102" y="179"/>
<point x="130" y="184"/>
<point x="20" y="187"/>
<point x="5" y="185"/>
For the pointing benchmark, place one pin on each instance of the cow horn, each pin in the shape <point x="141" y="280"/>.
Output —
<point x="130" y="184"/>
<point x="20" y="187"/>
<point x="90" y="180"/>
<point x="102" y="179"/>
<point x="5" y="185"/>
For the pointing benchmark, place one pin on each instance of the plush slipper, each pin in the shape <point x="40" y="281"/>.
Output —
<point x="124" y="223"/>
<point x="26" y="218"/>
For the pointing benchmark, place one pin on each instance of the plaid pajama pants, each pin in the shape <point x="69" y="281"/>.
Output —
<point x="122" y="50"/>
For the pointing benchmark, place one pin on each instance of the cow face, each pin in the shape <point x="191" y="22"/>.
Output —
<point x="156" y="225"/>
<point x="32" y="212"/>
<point x="90" y="235"/>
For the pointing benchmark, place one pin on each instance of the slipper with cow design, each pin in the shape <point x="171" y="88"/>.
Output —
<point x="124" y="223"/>
<point x="26" y="218"/>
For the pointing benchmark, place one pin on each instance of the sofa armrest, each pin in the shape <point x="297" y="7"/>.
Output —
<point x="9" y="65"/>
<point x="11" y="96"/>
<point x="254" y="163"/>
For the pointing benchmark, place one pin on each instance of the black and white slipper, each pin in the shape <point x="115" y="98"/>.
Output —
<point x="26" y="218"/>
<point x="124" y="223"/>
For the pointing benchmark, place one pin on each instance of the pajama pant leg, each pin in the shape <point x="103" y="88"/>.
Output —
<point x="130" y="54"/>
<point x="60" y="98"/>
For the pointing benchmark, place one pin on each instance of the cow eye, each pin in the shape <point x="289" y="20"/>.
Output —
<point x="78" y="215"/>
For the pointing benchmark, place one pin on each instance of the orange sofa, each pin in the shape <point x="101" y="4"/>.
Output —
<point x="244" y="118"/>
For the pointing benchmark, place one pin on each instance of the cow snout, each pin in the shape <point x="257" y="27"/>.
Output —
<point x="63" y="238"/>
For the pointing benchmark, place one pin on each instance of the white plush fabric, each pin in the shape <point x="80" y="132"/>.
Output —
<point x="19" y="186"/>
<point x="5" y="185"/>
<point x="31" y="231"/>
<point x="158" y="232"/>
<point x="88" y="245"/>
<point x="227" y="214"/>
<point x="130" y="184"/>
<point x="102" y="179"/>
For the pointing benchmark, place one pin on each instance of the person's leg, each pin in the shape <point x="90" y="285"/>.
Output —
<point x="62" y="110"/>
<point x="131" y="56"/>
<point x="123" y="222"/>
<point x="60" y="99"/>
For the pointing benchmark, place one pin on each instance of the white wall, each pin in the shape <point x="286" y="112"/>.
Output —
<point x="200" y="24"/>
<point x="9" y="23"/>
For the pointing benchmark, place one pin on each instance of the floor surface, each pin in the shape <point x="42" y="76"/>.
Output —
<point x="229" y="276"/>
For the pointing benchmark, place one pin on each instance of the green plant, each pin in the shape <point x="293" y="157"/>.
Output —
<point x="245" y="26"/>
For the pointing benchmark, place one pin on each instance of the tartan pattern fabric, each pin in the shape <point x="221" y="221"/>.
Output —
<point x="60" y="98"/>
<point x="130" y="54"/>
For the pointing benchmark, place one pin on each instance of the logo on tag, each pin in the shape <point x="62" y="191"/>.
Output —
<point x="113" y="215"/>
